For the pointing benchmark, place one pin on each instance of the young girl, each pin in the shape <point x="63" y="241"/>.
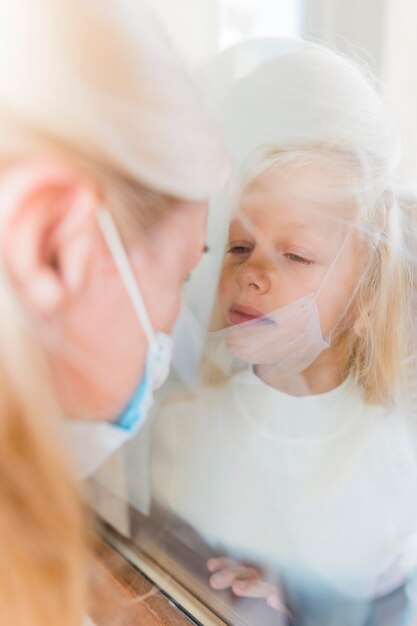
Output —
<point x="298" y="452"/>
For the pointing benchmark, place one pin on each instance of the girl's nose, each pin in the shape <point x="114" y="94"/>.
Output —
<point x="254" y="277"/>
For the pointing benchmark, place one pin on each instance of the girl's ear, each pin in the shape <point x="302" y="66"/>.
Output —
<point x="359" y="326"/>
<point x="47" y="230"/>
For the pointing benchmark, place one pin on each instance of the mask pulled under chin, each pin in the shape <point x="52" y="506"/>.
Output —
<point x="284" y="342"/>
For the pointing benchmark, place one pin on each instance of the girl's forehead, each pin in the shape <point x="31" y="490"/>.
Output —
<point x="295" y="201"/>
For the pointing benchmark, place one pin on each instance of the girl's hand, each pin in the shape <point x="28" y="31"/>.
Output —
<point x="244" y="581"/>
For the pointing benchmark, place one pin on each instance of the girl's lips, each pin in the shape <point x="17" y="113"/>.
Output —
<point x="239" y="313"/>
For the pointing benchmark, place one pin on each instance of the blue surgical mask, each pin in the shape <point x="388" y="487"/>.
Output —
<point x="159" y="352"/>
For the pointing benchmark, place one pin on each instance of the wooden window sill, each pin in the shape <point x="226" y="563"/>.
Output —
<point x="119" y="595"/>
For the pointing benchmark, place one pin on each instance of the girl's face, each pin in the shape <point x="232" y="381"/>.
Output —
<point x="291" y="235"/>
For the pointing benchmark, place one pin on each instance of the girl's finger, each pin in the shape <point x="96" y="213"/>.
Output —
<point x="262" y="590"/>
<point x="224" y="579"/>
<point x="274" y="601"/>
<point x="252" y="588"/>
<point x="219" y="563"/>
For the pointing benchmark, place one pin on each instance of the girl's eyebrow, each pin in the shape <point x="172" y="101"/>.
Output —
<point x="308" y="228"/>
<point x="237" y="223"/>
<point x="290" y="228"/>
<point x="301" y="226"/>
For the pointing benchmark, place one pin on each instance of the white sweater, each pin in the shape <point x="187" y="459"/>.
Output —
<point x="320" y="484"/>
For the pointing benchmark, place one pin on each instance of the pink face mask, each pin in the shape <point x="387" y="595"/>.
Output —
<point x="288" y="340"/>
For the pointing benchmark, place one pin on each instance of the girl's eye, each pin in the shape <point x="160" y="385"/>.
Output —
<point x="296" y="258"/>
<point x="240" y="250"/>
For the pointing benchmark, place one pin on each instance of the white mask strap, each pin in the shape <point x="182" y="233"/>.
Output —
<point x="121" y="259"/>
<point x="331" y="268"/>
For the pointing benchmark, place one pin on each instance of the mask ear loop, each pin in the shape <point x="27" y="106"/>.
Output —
<point x="113" y="240"/>
<point x="328" y="338"/>
<point x="332" y="266"/>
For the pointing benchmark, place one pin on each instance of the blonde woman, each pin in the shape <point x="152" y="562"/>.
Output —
<point x="107" y="160"/>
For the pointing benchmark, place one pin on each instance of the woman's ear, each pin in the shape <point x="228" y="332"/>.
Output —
<point x="47" y="230"/>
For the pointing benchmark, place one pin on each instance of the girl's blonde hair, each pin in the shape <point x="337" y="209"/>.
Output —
<point x="95" y="84"/>
<point x="381" y="353"/>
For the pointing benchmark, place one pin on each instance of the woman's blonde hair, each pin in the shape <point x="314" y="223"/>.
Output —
<point x="95" y="84"/>
<point x="41" y="531"/>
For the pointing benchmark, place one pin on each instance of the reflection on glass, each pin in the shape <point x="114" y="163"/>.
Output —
<point x="283" y="470"/>
<point x="243" y="19"/>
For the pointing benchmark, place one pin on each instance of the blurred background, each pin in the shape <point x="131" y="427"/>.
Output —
<point x="381" y="32"/>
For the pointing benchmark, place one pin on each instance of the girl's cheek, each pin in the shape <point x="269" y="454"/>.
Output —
<point x="326" y="320"/>
<point x="331" y="313"/>
<point x="225" y="283"/>
<point x="224" y="296"/>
